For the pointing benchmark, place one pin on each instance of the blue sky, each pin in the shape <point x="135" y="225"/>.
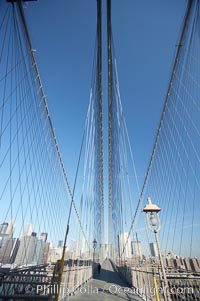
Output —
<point x="145" y="36"/>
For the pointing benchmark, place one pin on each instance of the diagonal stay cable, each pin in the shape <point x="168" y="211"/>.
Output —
<point x="21" y="13"/>
<point x="186" y="18"/>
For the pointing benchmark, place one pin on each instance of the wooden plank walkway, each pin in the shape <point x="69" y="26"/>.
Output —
<point x="106" y="286"/>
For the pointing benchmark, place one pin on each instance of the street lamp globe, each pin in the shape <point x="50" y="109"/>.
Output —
<point x="152" y="216"/>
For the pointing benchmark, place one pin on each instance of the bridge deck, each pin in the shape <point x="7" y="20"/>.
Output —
<point x="106" y="286"/>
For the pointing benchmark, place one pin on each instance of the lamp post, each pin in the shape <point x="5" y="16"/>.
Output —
<point x="154" y="225"/>
<point x="94" y="247"/>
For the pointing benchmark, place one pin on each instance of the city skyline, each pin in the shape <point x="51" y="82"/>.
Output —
<point x="30" y="247"/>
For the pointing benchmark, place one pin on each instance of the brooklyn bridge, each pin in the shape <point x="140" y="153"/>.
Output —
<point x="101" y="235"/>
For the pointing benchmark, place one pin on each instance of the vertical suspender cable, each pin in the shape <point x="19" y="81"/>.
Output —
<point x="99" y="83"/>
<point x="110" y="96"/>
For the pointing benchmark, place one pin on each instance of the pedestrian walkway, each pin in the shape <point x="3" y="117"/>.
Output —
<point x="107" y="286"/>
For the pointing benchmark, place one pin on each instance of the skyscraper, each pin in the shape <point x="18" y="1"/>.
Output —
<point x="6" y="241"/>
<point x="26" y="251"/>
<point x="60" y="243"/>
<point x="28" y="229"/>
<point x="6" y="250"/>
<point x="39" y="249"/>
<point x="136" y="248"/>
<point x="10" y="229"/>
<point x="45" y="254"/>
<point x="153" y="249"/>
<point x="43" y="236"/>
<point x="3" y="228"/>
<point x="14" y="250"/>
<point x="124" y="243"/>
